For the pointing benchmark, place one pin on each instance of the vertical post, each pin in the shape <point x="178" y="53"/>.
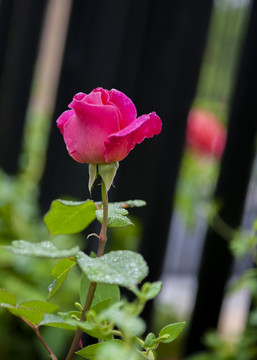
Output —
<point x="230" y="192"/>
<point x="20" y="55"/>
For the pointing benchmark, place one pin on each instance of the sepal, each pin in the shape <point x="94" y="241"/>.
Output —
<point x="107" y="173"/>
<point x="92" y="169"/>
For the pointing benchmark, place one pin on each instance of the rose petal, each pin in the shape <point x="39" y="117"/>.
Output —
<point x="90" y="127"/>
<point x="79" y="96"/>
<point x="63" y="118"/>
<point x="126" y="107"/>
<point x="104" y="94"/>
<point x="118" y="145"/>
<point x="94" y="98"/>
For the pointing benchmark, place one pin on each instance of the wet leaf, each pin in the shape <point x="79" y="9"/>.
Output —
<point x="125" y="268"/>
<point x="43" y="249"/>
<point x="116" y="217"/>
<point x="59" y="273"/>
<point x="69" y="217"/>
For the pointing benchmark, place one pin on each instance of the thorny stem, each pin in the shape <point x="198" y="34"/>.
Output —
<point x="35" y="328"/>
<point x="92" y="286"/>
<point x="44" y="343"/>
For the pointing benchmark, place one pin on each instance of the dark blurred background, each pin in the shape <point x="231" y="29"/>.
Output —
<point x="168" y="57"/>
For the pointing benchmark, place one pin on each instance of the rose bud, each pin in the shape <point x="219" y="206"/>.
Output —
<point x="103" y="127"/>
<point x="205" y="134"/>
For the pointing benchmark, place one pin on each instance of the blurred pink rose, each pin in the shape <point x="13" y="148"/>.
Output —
<point x="102" y="127"/>
<point x="205" y="133"/>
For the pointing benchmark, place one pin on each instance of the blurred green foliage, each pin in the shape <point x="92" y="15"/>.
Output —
<point x="242" y="243"/>
<point x="222" y="54"/>
<point x="21" y="218"/>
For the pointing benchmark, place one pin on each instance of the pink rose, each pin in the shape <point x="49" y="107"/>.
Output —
<point x="205" y="133"/>
<point x="102" y="127"/>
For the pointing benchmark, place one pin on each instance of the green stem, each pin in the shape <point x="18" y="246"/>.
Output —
<point x="35" y="328"/>
<point x="45" y="344"/>
<point x="140" y="341"/>
<point x="103" y="232"/>
<point x="92" y="286"/>
<point x="116" y="333"/>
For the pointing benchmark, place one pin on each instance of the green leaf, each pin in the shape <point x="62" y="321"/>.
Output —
<point x="117" y="212"/>
<point x="68" y="322"/>
<point x="151" y="290"/>
<point x="117" y="349"/>
<point x="59" y="273"/>
<point x="124" y="320"/>
<point x="124" y="268"/>
<point x="7" y="298"/>
<point x="97" y="308"/>
<point x="125" y="204"/>
<point x="31" y="311"/>
<point x="58" y="322"/>
<point x="64" y="321"/>
<point x="150" y="340"/>
<point x="43" y="249"/>
<point x="116" y="217"/>
<point x="68" y="315"/>
<point x="94" y="330"/>
<point x="69" y="217"/>
<point x="172" y="331"/>
<point x="103" y="292"/>
<point x="131" y="203"/>
<point x="90" y="351"/>
<point x="43" y="306"/>
<point x="33" y="316"/>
